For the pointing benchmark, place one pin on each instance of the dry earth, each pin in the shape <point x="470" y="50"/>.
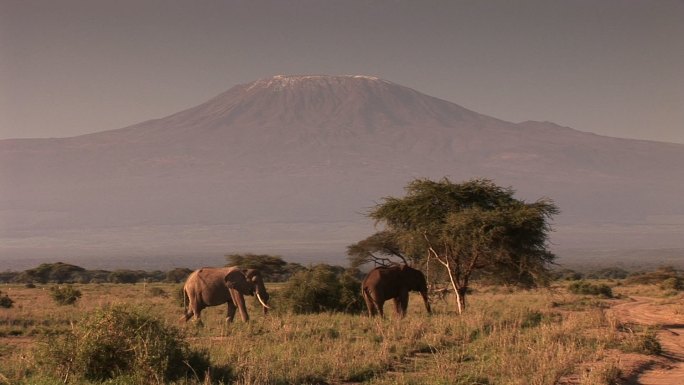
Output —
<point x="668" y="318"/>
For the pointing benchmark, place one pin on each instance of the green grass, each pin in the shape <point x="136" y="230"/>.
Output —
<point x="519" y="337"/>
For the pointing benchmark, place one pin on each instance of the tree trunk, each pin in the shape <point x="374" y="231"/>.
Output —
<point x="458" y="283"/>
<point x="460" y="294"/>
<point x="461" y="298"/>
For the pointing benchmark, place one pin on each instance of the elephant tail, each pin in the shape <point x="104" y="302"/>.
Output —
<point x="371" y="304"/>
<point x="368" y="297"/>
<point x="186" y="299"/>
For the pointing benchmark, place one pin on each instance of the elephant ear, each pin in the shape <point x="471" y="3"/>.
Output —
<point x="236" y="280"/>
<point x="252" y="275"/>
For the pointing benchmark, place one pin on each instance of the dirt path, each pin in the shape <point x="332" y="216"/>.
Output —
<point x="670" y="320"/>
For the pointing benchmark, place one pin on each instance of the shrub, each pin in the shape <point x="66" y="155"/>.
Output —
<point x="320" y="289"/>
<point x="584" y="287"/>
<point x="659" y="276"/>
<point x="157" y="292"/>
<point x="350" y="289"/>
<point x="6" y="301"/>
<point x="177" y="275"/>
<point x="125" y="276"/>
<point x="566" y="275"/>
<point x="672" y="283"/>
<point x="645" y="342"/>
<point x="649" y="343"/>
<point x="531" y="318"/>
<point x="609" y="273"/>
<point x="124" y="344"/>
<point x="66" y="295"/>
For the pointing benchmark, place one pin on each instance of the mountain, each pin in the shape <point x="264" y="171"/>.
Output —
<point x="289" y="164"/>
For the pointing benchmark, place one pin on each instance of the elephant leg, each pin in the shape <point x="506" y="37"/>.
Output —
<point x="426" y="301"/>
<point x="401" y="304"/>
<point x="372" y="310"/>
<point x="239" y="300"/>
<point x="230" y="314"/>
<point x="397" y="307"/>
<point x="187" y="315"/>
<point x="195" y="310"/>
<point x="380" y="304"/>
<point x="188" y="307"/>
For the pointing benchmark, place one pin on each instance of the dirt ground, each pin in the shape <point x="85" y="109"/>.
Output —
<point x="669" y="319"/>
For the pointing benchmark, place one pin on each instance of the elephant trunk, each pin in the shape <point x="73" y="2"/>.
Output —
<point x="254" y="276"/>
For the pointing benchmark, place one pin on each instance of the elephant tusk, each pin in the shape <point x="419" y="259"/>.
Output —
<point x="262" y="301"/>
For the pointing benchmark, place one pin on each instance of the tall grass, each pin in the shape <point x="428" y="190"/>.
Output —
<point x="527" y="337"/>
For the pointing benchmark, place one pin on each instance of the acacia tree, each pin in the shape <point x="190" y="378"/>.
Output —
<point x="474" y="226"/>
<point x="381" y="249"/>
<point x="272" y="267"/>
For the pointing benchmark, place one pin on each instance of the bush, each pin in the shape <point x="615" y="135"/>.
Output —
<point x="66" y="295"/>
<point x="659" y="276"/>
<point x="566" y="275"/>
<point x="350" y="293"/>
<point x="6" y="301"/>
<point x="125" y="276"/>
<point x="531" y="319"/>
<point x="673" y="283"/>
<point x="177" y="275"/>
<point x="157" y="292"/>
<point x="321" y="289"/>
<point x="649" y="344"/>
<point x="118" y="343"/>
<point x="584" y="287"/>
<point x="609" y="273"/>
<point x="643" y="342"/>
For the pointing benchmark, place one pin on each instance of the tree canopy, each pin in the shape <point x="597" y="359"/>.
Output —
<point x="272" y="267"/>
<point x="51" y="272"/>
<point x="381" y="248"/>
<point x="474" y="226"/>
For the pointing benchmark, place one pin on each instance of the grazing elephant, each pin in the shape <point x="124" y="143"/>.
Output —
<point x="385" y="282"/>
<point x="211" y="286"/>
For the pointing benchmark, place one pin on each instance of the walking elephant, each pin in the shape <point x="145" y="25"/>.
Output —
<point x="211" y="286"/>
<point x="395" y="282"/>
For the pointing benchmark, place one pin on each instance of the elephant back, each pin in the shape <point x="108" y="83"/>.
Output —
<point x="394" y="279"/>
<point x="208" y="286"/>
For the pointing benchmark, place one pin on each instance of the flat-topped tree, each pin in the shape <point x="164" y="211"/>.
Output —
<point x="472" y="226"/>
<point x="272" y="267"/>
<point x="380" y="249"/>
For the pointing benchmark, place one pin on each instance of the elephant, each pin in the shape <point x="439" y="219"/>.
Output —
<point x="385" y="282"/>
<point x="212" y="286"/>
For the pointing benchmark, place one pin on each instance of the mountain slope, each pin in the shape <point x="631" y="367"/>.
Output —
<point x="290" y="163"/>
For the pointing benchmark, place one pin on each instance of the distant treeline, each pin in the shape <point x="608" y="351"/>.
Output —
<point x="673" y="276"/>
<point x="273" y="268"/>
<point x="66" y="273"/>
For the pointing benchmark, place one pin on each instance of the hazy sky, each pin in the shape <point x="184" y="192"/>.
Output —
<point x="613" y="67"/>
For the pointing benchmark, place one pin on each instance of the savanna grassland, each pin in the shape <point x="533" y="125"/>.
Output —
<point x="534" y="337"/>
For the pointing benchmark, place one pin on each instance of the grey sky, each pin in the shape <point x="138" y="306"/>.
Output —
<point x="614" y="67"/>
